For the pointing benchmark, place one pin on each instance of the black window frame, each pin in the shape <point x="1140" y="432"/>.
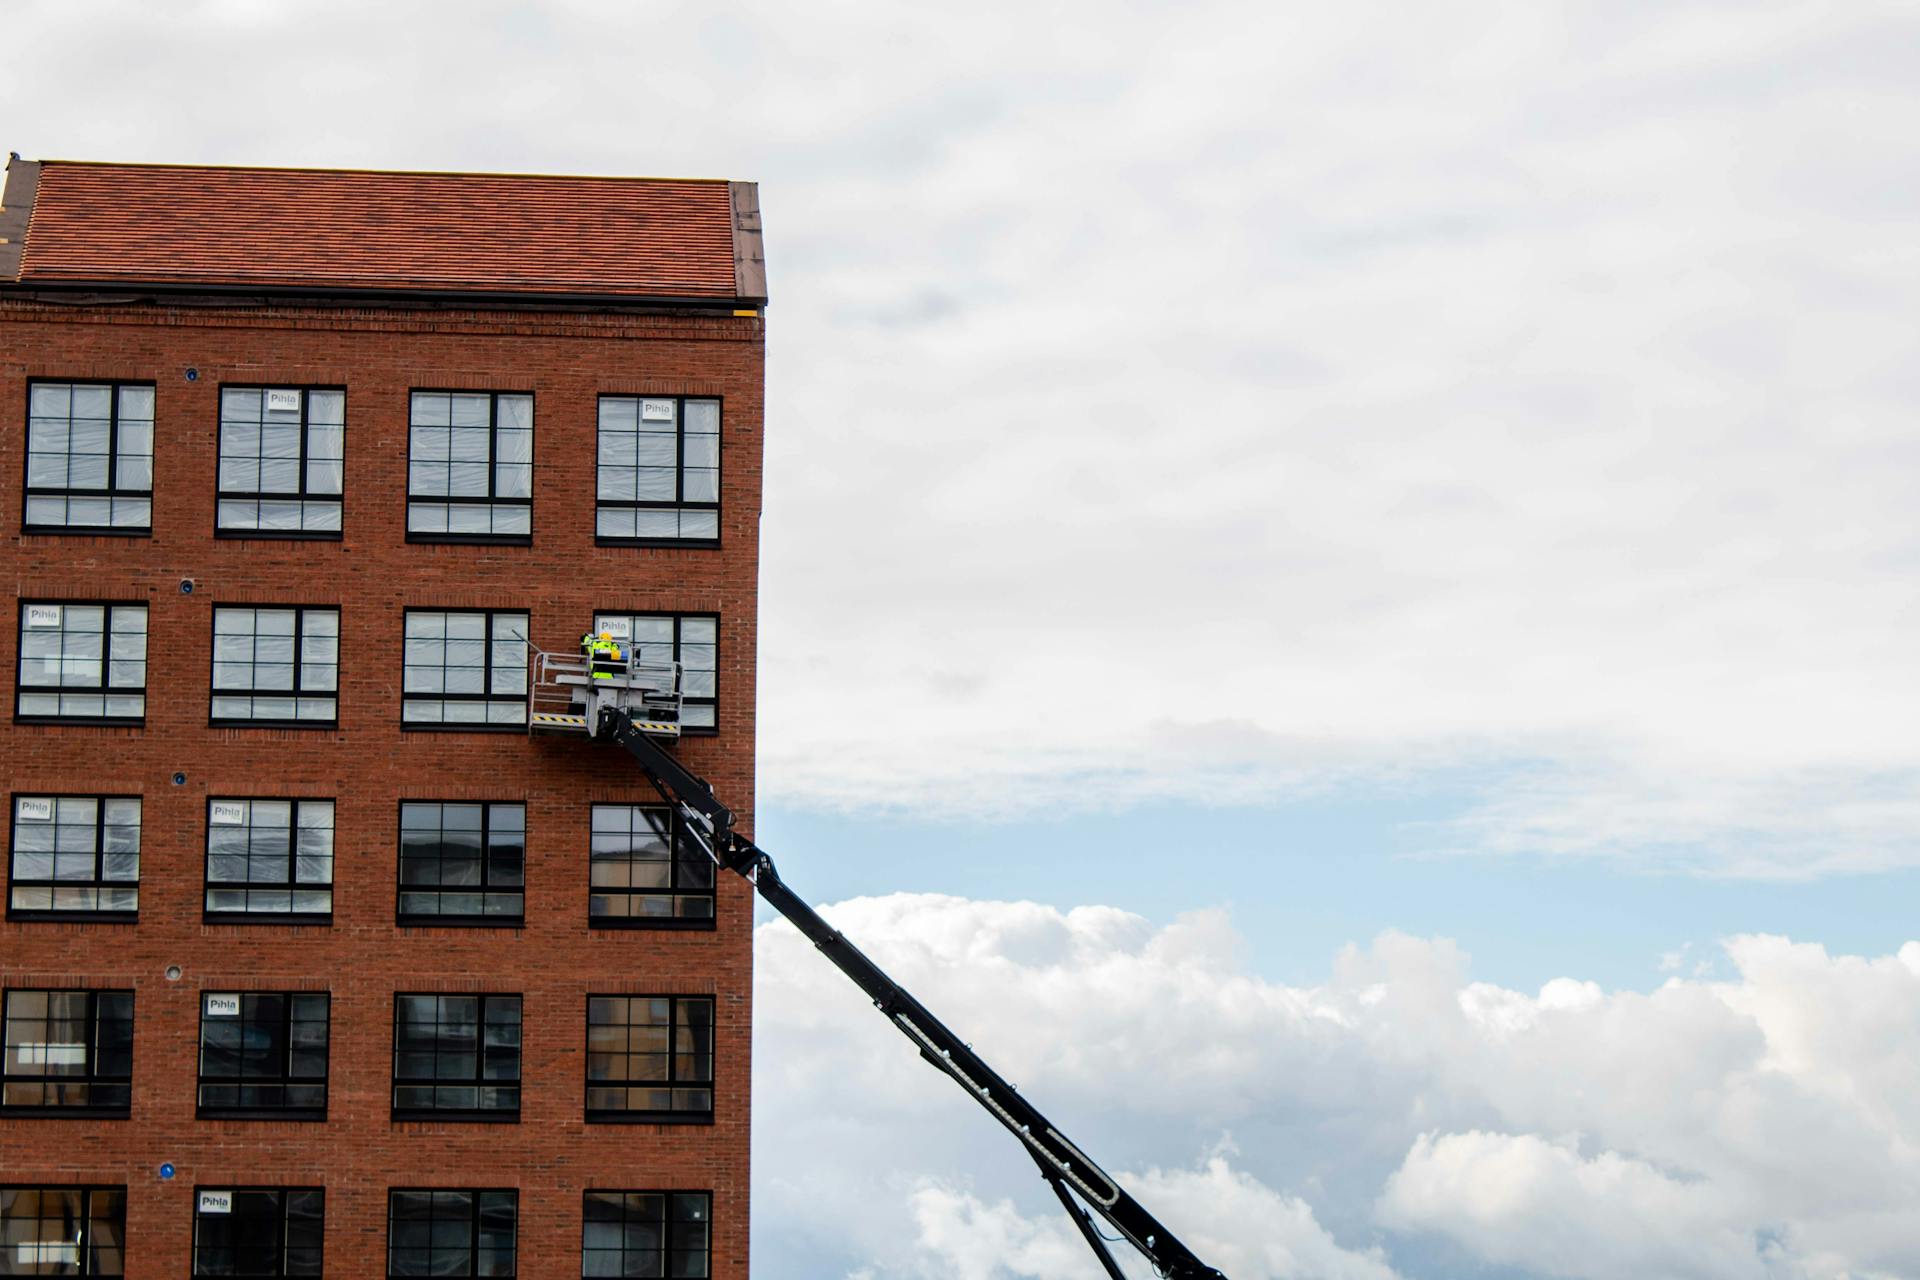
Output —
<point x="682" y="851"/>
<point x="105" y="688"/>
<point x="609" y="1115"/>
<point x="475" y="1211"/>
<point x="301" y="495"/>
<point x="484" y="889"/>
<point x="493" y="455"/>
<point x="679" y="502"/>
<point x="92" y="1077"/>
<point x="478" y="1080"/>
<point x="86" y="1243"/>
<point x="96" y="914"/>
<point x="629" y="650"/>
<point x="670" y="1243"/>
<point x="481" y="726"/>
<point x="215" y="692"/>
<point x="237" y="1110"/>
<point x="281" y="1210"/>
<point x="293" y="885"/>
<point x="30" y="491"/>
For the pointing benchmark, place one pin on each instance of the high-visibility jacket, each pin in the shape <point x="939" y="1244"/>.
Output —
<point x="606" y="657"/>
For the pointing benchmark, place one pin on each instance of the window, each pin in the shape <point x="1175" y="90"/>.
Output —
<point x="451" y="1233"/>
<point x="465" y="669"/>
<point x="470" y="467"/>
<point x="462" y="862"/>
<point x="68" y="1051"/>
<point x="89" y="457"/>
<point x="458" y="1055"/>
<point x="258" y="1231"/>
<point x="82" y="662"/>
<point x="275" y="665"/>
<point x="690" y="639"/>
<point x="650" y="1058"/>
<point x="75" y="856"/>
<point x="646" y="871"/>
<point x="63" y="1231"/>
<point x="646" y="1233"/>
<point x="270" y="858"/>
<point x="282" y="461"/>
<point x="659" y="470"/>
<point x="263" y="1053"/>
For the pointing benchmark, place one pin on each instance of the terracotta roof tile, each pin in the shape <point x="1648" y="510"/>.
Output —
<point x="349" y="229"/>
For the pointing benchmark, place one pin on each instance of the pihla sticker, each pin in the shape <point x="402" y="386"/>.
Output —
<point x="35" y="809"/>
<point x="43" y="615"/>
<point x="228" y="814"/>
<point x="656" y="410"/>
<point x="216" y="1202"/>
<point x="283" y="402"/>
<point x="618" y="628"/>
<point x="223" y="1006"/>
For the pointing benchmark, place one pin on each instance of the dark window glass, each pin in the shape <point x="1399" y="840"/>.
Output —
<point x="646" y="1233"/>
<point x="258" y="1231"/>
<point x="659" y="470"/>
<point x="649" y="1057"/>
<point x="82" y="661"/>
<point x="451" y="1233"/>
<point x="264" y="1052"/>
<point x="690" y="639"/>
<point x="270" y="859"/>
<point x="462" y="861"/>
<point x="470" y="466"/>
<point x="646" y="870"/>
<point x="75" y="855"/>
<point x="89" y="457"/>
<point x="456" y="1055"/>
<point x="275" y="665"/>
<point x="68" y="1051"/>
<point x="465" y="669"/>
<point x="282" y="467"/>
<point x="63" y="1231"/>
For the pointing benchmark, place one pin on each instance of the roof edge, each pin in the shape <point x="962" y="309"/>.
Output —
<point x="16" y="207"/>
<point x="749" y="249"/>
<point x="402" y="173"/>
<point x="134" y="290"/>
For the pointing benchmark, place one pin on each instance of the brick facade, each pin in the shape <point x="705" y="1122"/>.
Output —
<point x="368" y="764"/>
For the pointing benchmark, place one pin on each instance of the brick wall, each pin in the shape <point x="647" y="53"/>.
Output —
<point x="368" y="764"/>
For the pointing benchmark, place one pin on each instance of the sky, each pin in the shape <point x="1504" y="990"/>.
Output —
<point x="1336" y="588"/>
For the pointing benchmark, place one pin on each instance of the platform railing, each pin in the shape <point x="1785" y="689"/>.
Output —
<point x="558" y="683"/>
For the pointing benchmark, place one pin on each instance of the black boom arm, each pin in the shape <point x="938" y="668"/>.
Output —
<point x="1083" y="1187"/>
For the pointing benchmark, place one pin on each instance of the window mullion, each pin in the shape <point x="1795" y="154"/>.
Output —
<point x="299" y="623"/>
<point x="679" y="452"/>
<point x="493" y="444"/>
<point x="113" y="442"/>
<point x="300" y="483"/>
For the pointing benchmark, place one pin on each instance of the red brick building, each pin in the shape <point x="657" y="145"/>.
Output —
<point x="313" y="960"/>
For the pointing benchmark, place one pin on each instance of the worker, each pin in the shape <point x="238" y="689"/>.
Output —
<point x="605" y="656"/>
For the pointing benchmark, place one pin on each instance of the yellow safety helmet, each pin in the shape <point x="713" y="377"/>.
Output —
<point x="606" y="635"/>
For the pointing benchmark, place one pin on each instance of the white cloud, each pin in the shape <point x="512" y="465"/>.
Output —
<point x="1398" y="1117"/>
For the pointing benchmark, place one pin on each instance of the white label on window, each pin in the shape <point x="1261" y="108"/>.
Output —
<point x="283" y="401"/>
<point x="216" y="1202"/>
<point x="43" y="615"/>
<point x="618" y="628"/>
<point x="656" y="410"/>
<point x="40" y="1253"/>
<point x="35" y="809"/>
<point x="223" y="1006"/>
<point x="53" y="1055"/>
<point x="226" y="813"/>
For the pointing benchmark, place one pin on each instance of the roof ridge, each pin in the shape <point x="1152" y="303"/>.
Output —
<point x="362" y="169"/>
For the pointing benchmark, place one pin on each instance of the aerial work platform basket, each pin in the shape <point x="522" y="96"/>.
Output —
<point x="564" y="696"/>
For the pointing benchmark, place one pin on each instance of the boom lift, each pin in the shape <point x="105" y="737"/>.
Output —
<point x="638" y="708"/>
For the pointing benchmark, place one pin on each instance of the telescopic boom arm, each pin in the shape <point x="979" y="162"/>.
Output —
<point x="1083" y="1188"/>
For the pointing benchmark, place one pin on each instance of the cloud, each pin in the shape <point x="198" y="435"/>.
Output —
<point x="1397" y="1118"/>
